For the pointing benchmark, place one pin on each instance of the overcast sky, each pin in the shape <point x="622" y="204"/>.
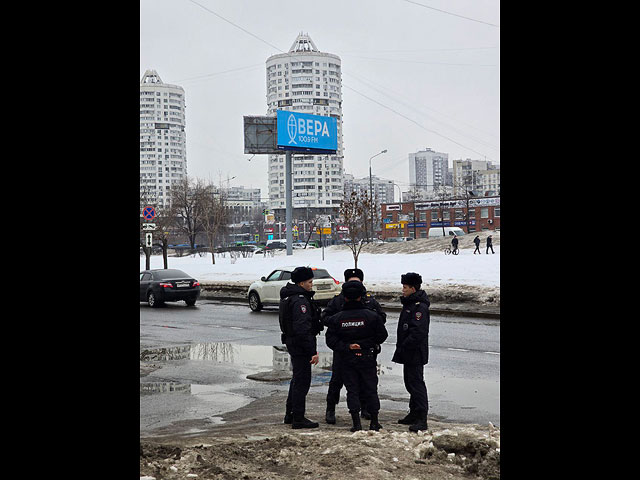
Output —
<point x="412" y="77"/>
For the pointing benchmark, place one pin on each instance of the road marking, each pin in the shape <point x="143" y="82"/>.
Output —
<point x="237" y="328"/>
<point x="493" y="353"/>
<point x="458" y="349"/>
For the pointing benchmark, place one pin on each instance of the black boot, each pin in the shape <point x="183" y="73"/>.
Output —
<point x="409" y="419"/>
<point x="300" y="421"/>
<point x="374" y="422"/>
<point x="355" y="416"/>
<point x="330" y="416"/>
<point x="288" y="418"/>
<point x="420" y="422"/>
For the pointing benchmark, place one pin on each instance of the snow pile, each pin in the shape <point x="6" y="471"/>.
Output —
<point x="381" y="271"/>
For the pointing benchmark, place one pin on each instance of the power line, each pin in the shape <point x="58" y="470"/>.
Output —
<point x="425" y="63"/>
<point x="217" y="73"/>
<point x="235" y="25"/>
<point x="413" y="121"/>
<point x="454" y="14"/>
<point x="357" y="77"/>
<point x="359" y="93"/>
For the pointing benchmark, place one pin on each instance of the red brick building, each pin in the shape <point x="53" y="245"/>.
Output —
<point x="413" y="219"/>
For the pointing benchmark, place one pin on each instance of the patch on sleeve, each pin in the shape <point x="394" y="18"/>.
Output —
<point x="418" y="315"/>
<point x="303" y="308"/>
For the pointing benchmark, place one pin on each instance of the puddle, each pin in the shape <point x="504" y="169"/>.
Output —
<point x="265" y="356"/>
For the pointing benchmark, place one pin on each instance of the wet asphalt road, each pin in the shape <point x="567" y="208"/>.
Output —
<point x="228" y="341"/>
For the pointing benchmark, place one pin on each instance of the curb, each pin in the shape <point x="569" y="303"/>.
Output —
<point x="460" y="310"/>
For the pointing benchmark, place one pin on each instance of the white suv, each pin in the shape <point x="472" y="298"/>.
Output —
<point x="266" y="291"/>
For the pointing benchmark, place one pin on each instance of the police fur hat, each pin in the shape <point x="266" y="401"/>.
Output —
<point x="353" y="289"/>
<point x="411" y="279"/>
<point x="353" y="272"/>
<point x="300" y="274"/>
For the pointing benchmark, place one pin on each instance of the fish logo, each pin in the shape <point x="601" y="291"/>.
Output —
<point x="292" y="128"/>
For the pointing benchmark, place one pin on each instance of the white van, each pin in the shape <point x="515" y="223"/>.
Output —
<point x="437" y="231"/>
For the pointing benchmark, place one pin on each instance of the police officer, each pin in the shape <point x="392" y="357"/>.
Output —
<point x="355" y="334"/>
<point x="299" y="323"/>
<point x="335" y="305"/>
<point x="412" y="348"/>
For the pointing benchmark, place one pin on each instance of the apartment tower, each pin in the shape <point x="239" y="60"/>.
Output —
<point x="308" y="81"/>
<point x="163" y="156"/>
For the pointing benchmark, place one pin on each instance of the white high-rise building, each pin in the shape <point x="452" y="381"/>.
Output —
<point x="427" y="172"/>
<point x="308" y="81"/>
<point x="163" y="154"/>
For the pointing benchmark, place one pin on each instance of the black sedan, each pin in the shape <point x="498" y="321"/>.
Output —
<point x="166" y="285"/>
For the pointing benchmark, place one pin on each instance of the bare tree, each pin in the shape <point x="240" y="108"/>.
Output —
<point x="355" y="211"/>
<point x="186" y="206"/>
<point x="215" y="215"/>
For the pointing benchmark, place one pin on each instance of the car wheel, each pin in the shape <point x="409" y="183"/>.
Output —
<point x="254" y="302"/>
<point x="190" y="302"/>
<point x="152" y="300"/>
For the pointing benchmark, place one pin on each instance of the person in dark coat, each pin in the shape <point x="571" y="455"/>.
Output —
<point x="355" y="335"/>
<point x="454" y="243"/>
<point x="335" y="305"/>
<point x="412" y="348"/>
<point x="490" y="244"/>
<point x="300" y="323"/>
<point x="477" y="242"/>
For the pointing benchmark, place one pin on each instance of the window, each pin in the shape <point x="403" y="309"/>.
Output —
<point x="496" y="212"/>
<point x="446" y="215"/>
<point x="274" y="276"/>
<point x="285" y="276"/>
<point x="459" y="214"/>
<point x="484" y="212"/>
<point x="434" y="215"/>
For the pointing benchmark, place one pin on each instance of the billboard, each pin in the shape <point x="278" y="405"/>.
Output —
<point x="260" y="135"/>
<point x="306" y="133"/>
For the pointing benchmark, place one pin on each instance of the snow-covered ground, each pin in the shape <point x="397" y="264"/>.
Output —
<point x="381" y="271"/>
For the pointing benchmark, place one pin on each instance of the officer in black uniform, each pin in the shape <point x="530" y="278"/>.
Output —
<point x="412" y="348"/>
<point x="335" y="305"/>
<point x="299" y="323"/>
<point x="355" y="335"/>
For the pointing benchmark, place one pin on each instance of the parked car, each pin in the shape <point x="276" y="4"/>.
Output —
<point x="276" y="245"/>
<point x="266" y="291"/>
<point x="437" y="231"/>
<point x="168" y="285"/>
<point x="398" y="239"/>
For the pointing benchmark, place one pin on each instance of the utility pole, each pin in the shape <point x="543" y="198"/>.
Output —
<point x="371" y="189"/>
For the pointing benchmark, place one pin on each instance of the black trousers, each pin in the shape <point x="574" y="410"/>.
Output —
<point x="361" y="380"/>
<point x="477" y="249"/>
<point x="413" y="374"/>
<point x="336" y="383"/>
<point x="490" y="247"/>
<point x="299" y="385"/>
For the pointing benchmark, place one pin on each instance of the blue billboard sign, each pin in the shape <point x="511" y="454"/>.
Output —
<point x="306" y="133"/>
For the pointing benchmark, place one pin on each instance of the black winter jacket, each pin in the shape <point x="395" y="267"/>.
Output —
<point x="412" y="345"/>
<point x="336" y="304"/>
<point x="299" y="320"/>
<point x="355" y="324"/>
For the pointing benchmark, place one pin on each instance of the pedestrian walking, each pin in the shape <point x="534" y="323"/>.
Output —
<point x="412" y="348"/>
<point x="355" y="335"/>
<point x="454" y="244"/>
<point x="335" y="305"/>
<point x="300" y="323"/>
<point x="489" y="245"/>
<point x="477" y="242"/>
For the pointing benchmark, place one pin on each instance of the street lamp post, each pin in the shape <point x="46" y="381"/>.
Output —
<point x="371" y="188"/>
